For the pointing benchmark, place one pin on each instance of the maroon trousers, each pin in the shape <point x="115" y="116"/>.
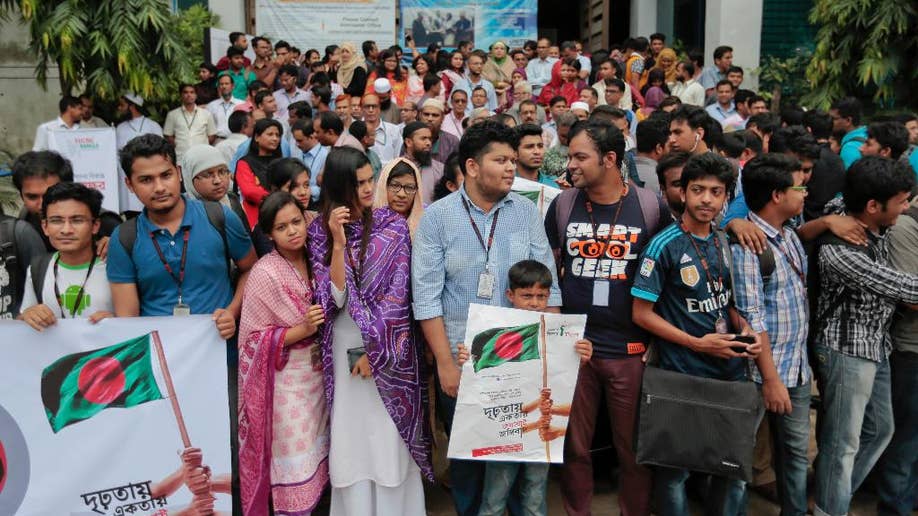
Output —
<point x="620" y="380"/>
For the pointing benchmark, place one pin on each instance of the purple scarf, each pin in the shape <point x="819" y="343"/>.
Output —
<point x="381" y="307"/>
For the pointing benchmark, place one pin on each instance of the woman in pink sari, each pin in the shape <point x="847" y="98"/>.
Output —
<point x="283" y="414"/>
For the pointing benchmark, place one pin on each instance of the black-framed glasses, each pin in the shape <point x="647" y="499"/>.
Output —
<point x="397" y="187"/>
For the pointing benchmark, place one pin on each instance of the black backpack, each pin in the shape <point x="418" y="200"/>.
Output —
<point x="766" y="259"/>
<point x="9" y="252"/>
<point x="127" y="235"/>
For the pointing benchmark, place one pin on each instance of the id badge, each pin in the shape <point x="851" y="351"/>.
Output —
<point x="485" y="285"/>
<point x="721" y="325"/>
<point x="601" y="292"/>
<point x="181" y="310"/>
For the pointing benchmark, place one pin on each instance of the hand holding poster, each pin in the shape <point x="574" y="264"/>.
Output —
<point x="88" y="418"/>
<point x="540" y="194"/>
<point x="516" y="389"/>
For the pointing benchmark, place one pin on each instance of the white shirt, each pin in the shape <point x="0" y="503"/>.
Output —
<point x="93" y="123"/>
<point x="130" y="129"/>
<point x="538" y="72"/>
<point x="388" y="144"/>
<point x="221" y="111"/>
<point x="189" y="128"/>
<point x="230" y="145"/>
<point x="42" y="133"/>
<point x="452" y="125"/>
<point x="625" y="102"/>
<point x="689" y="92"/>
<point x="97" y="294"/>
<point x="284" y="100"/>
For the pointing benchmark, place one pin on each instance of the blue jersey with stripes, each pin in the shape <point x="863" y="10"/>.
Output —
<point x="671" y="275"/>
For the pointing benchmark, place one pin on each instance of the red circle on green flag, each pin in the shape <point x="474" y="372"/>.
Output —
<point x="101" y="380"/>
<point x="508" y="345"/>
<point x="3" y="467"/>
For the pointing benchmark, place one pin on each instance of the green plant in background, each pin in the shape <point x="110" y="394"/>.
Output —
<point x="864" y="48"/>
<point x="107" y="47"/>
<point x="784" y="80"/>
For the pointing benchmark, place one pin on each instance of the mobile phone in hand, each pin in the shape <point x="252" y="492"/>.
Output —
<point x="745" y="340"/>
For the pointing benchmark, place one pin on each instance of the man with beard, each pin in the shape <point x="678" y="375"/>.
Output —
<point x="89" y="120"/>
<point x="134" y="122"/>
<point x="530" y="150"/>
<point x="669" y="174"/>
<point x="418" y="144"/>
<point x="388" y="109"/>
<point x="239" y="42"/>
<point x="444" y="143"/>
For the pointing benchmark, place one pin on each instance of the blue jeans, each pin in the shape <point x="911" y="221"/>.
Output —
<point x="790" y="435"/>
<point x="856" y="425"/>
<point x="897" y="479"/>
<point x="724" y="496"/>
<point x="499" y="479"/>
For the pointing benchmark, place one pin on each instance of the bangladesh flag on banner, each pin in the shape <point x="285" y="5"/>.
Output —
<point x="499" y="345"/>
<point x="79" y="386"/>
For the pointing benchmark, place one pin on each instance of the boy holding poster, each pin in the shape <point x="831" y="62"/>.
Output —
<point x="529" y="285"/>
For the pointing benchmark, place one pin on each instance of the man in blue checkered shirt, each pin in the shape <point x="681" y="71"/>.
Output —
<point x="776" y="307"/>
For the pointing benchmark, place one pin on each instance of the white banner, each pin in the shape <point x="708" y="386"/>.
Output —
<point x="94" y="156"/>
<point x="126" y="458"/>
<point x="523" y="369"/>
<point x="540" y="194"/>
<point x="318" y="23"/>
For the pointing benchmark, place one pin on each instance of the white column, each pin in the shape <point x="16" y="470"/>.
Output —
<point x="643" y="18"/>
<point x="739" y="25"/>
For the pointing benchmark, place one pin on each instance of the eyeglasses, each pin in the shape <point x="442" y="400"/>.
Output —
<point x="74" y="221"/>
<point x="396" y="187"/>
<point x="797" y="188"/>
<point x="208" y="176"/>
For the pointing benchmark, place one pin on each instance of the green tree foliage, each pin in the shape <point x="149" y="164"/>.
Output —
<point x="107" y="47"/>
<point x="867" y="48"/>
<point x="784" y="80"/>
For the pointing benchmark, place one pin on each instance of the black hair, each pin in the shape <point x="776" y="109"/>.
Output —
<point x="339" y="188"/>
<point x="530" y="44"/>
<point x="573" y="62"/>
<point x="310" y="52"/>
<point x="145" y="146"/>
<point x="529" y="273"/>
<point x="323" y="93"/>
<point x="657" y="36"/>
<point x="752" y="140"/>
<point x="689" y="67"/>
<point x="524" y="130"/>
<point x="640" y="44"/>
<point x="618" y="83"/>
<point x="721" y="50"/>
<point x="742" y="96"/>
<point x="430" y="80"/>
<point x="904" y="118"/>
<point x="255" y="86"/>
<point x="329" y="120"/>
<point x="67" y="102"/>
<point x="227" y="75"/>
<point x="876" y="178"/>
<point x="233" y="36"/>
<point x="282" y="171"/>
<point x="557" y="98"/>
<point x="413" y="127"/>
<point x="237" y="121"/>
<point x="671" y="100"/>
<point x="795" y="139"/>
<point x="358" y="129"/>
<point x="450" y="169"/>
<point x="477" y="141"/>
<point x="260" y="127"/>
<point x="458" y="90"/>
<point x="766" y="174"/>
<point x="766" y="123"/>
<point x="281" y="44"/>
<point x="591" y="90"/>
<point x="650" y="133"/>
<point x="890" y="134"/>
<point x="732" y="145"/>
<point x="261" y="96"/>
<point x="528" y="102"/>
<point x="267" y="213"/>
<point x="232" y="52"/>
<point x="696" y="117"/>
<point x="381" y="65"/>
<point x="367" y="47"/>
<point x="68" y="191"/>
<point x="301" y="108"/>
<point x="330" y="50"/>
<point x="604" y="112"/>
<point x="670" y="161"/>
<point x="604" y="136"/>
<point x="401" y="169"/>
<point x="723" y="82"/>
<point x="792" y="115"/>
<point x="505" y="120"/>
<point x="755" y="98"/>
<point x="735" y="69"/>
<point x="210" y="68"/>
<point x="708" y="165"/>
<point x="41" y="164"/>
<point x="567" y="45"/>
<point x="819" y="123"/>
<point x="182" y="86"/>
<point x="303" y="125"/>
<point x="290" y="70"/>
<point x="427" y="59"/>
<point x="849" y="107"/>
<point x="320" y="79"/>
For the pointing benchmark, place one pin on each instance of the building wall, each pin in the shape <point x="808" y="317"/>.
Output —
<point x="231" y="13"/>
<point x="739" y="25"/>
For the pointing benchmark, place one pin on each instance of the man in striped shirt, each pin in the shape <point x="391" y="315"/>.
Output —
<point x="859" y="293"/>
<point x="776" y="307"/>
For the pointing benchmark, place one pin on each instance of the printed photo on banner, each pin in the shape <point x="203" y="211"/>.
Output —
<point x="540" y="194"/>
<point x="429" y="22"/>
<point x="516" y="389"/>
<point x="137" y="406"/>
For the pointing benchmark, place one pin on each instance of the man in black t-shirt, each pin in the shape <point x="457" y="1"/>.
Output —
<point x="597" y="231"/>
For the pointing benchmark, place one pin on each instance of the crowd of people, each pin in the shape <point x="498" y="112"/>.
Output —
<point x="343" y="211"/>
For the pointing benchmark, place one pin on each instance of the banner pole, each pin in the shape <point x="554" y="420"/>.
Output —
<point x="176" y="409"/>
<point x="542" y="336"/>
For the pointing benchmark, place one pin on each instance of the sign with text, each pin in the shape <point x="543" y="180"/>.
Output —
<point x="481" y="22"/>
<point x="318" y="23"/>
<point x="516" y="389"/>
<point x="93" y="153"/>
<point x="89" y="417"/>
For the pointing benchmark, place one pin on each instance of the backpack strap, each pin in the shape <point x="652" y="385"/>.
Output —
<point x="39" y="268"/>
<point x="217" y="219"/>
<point x="650" y="207"/>
<point x="127" y="235"/>
<point x="721" y="236"/>
<point x="766" y="259"/>
<point x="564" y="206"/>
<point x="9" y="251"/>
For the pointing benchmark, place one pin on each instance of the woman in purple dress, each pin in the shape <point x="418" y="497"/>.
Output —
<point x="361" y="261"/>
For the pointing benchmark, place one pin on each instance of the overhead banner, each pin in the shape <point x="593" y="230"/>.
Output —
<point x="318" y="23"/>
<point x="480" y="21"/>
<point x="516" y="389"/>
<point x="89" y="419"/>
<point x="93" y="153"/>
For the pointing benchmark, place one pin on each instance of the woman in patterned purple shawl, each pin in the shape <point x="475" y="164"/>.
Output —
<point x="361" y="260"/>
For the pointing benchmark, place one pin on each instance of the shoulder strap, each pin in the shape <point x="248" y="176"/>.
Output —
<point x="127" y="235"/>
<point x="564" y="206"/>
<point x="725" y="242"/>
<point x="650" y="207"/>
<point x="39" y="268"/>
<point x="217" y="219"/>
<point x="9" y="251"/>
<point x="766" y="259"/>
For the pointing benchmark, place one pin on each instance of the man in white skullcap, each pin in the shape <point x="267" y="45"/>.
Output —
<point x="388" y="109"/>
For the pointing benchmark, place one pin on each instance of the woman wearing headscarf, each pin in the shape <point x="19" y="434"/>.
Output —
<point x="652" y="100"/>
<point x="352" y="72"/>
<point x="207" y="177"/>
<point x="666" y="61"/>
<point x="398" y="188"/>
<point x="499" y="67"/>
